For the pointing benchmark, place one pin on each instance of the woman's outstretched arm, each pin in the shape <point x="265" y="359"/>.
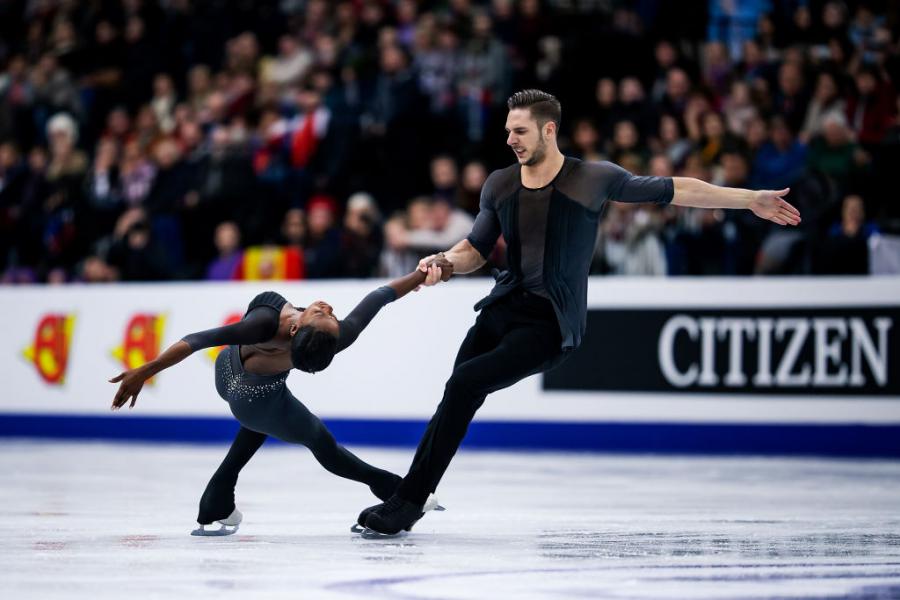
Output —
<point x="365" y="311"/>
<point x="260" y="325"/>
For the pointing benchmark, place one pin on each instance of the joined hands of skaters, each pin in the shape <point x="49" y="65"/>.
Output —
<point x="769" y="205"/>
<point x="436" y="268"/>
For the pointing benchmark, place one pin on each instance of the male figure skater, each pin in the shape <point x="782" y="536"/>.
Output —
<point x="272" y="338"/>
<point x="547" y="207"/>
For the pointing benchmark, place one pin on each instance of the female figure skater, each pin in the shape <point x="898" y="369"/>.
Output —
<point x="250" y="375"/>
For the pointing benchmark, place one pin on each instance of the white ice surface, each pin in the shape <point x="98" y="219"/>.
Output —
<point x="107" y="521"/>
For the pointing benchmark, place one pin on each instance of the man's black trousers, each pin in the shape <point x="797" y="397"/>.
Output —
<point x="516" y="336"/>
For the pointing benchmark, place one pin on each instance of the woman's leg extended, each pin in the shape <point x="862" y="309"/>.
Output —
<point x="217" y="501"/>
<point x="296" y="424"/>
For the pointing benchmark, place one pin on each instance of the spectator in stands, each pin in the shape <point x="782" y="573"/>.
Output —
<point x="165" y="205"/>
<point x="95" y="270"/>
<point x="888" y="156"/>
<point x="825" y="100"/>
<point x="661" y="166"/>
<point x="331" y="98"/>
<point x="289" y="66"/>
<point x="484" y="76"/>
<point x="633" y="106"/>
<point x="139" y="63"/>
<point x="717" y="68"/>
<point x="54" y="90"/>
<point x="397" y="256"/>
<point x="585" y="141"/>
<point x="629" y="243"/>
<point x="678" y="90"/>
<point x="118" y="126"/>
<point x="606" y="108"/>
<point x="135" y="254"/>
<point x="228" y="248"/>
<point x="136" y="173"/>
<point x="102" y="70"/>
<point x="671" y="141"/>
<point x="715" y="138"/>
<point x="163" y="103"/>
<point x="474" y="174"/>
<point x="739" y="108"/>
<point x="102" y="188"/>
<point x="66" y="160"/>
<point x="393" y="118"/>
<point x="199" y="88"/>
<point x="447" y="225"/>
<point x="64" y="227"/>
<point x="790" y="96"/>
<point x="845" y="250"/>
<point x="293" y="228"/>
<point x="16" y="98"/>
<point x="870" y="110"/>
<point x="323" y="244"/>
<point x="781" y="160"/>
<point x="627" y="141"/>
<point x="361" y="238"/>
<point x="27" y="246"/>
<point x="444" y="177"/>
<point x="12" y="178"/>
<point x="835" y="154"/>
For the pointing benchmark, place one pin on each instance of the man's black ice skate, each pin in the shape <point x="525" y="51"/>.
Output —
<point x="393" y="517"/>
<point x="382" y="492"/>
<point x="360" y="525"/>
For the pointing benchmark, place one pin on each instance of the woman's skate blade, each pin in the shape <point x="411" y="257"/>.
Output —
<point x="227" y="526"/>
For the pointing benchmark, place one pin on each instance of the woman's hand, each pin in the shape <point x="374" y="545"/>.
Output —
<point x="132" y="382"/>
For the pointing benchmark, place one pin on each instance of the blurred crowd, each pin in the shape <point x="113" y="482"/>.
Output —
<point x="147" y="140"/>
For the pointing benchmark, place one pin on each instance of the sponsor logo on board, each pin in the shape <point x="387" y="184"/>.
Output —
<point x="49" y="351"/>
<point x="141" y="340"/>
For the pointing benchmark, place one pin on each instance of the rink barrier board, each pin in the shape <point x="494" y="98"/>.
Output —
<point x="719" y="438"/>
<point x="702" y="365"/>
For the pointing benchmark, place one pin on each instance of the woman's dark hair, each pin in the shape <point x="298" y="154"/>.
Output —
<point x="312" y="349"/>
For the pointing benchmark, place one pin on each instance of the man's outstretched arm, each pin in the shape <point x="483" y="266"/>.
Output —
<point x="765" y="204"/>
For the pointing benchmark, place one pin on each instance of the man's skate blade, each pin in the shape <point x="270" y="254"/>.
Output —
<point x="223" y="530"/>
<point x="431" y="503"/>
<point x="357" y="528"/>
<point x="371" y="534"/>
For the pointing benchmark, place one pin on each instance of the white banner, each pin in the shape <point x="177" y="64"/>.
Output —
<point x="60" y="345"/>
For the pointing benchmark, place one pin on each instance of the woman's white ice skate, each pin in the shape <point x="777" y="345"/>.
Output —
<point x="228" y="525"/>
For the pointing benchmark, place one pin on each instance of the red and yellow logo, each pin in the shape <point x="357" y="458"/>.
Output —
<point x="50" y="351"/>
<point x="213" y="353"/>
<point x="140" y="345"/>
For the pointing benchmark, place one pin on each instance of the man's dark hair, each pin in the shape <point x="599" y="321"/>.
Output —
<point x="543" y="106"/>
<point x="312" y="349"/>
